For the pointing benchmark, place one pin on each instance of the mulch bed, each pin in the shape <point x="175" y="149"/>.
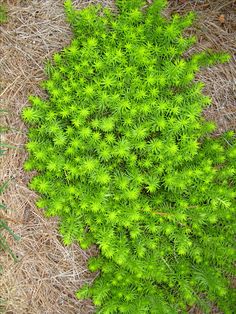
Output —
<point x="47" y="275"/>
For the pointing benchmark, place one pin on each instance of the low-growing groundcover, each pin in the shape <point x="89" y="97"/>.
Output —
<point x="127" y="162"/>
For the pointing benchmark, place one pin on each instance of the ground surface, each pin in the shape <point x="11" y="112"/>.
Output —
<point x="47" y="274"/>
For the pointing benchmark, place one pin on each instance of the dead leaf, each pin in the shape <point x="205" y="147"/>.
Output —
<point x="222" y="19"/>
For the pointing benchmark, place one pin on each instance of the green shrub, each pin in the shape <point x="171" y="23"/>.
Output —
<point x="127" y="162"/>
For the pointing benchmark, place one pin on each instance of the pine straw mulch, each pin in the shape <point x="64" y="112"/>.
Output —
<point x="47" y="274"/>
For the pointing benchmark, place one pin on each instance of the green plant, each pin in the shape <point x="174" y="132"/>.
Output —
<point x="3" y="14"/>
<point x="127" y="162"/>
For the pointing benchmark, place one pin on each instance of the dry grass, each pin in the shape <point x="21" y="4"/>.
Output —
<point x="48" y="274"/>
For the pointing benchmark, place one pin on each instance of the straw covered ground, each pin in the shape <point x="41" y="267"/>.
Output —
<point x="47" y="274"/>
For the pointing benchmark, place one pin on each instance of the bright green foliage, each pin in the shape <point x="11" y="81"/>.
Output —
<point x="3" y="14"/>
<point x="125" y="159"/>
